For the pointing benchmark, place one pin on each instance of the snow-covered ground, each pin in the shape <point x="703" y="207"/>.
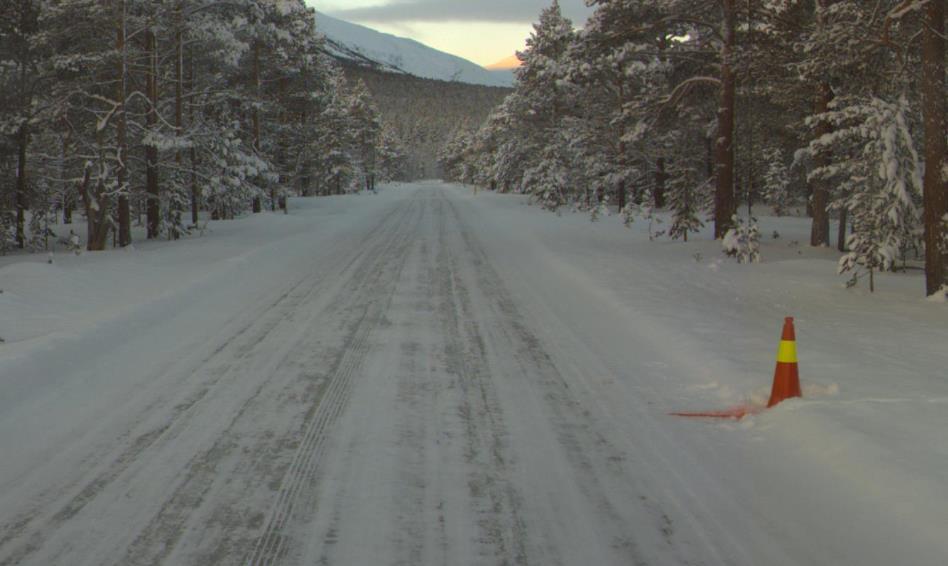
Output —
<point x="428" y="376"/>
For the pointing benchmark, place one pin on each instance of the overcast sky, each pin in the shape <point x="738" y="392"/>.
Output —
<point x="484" y="31"/>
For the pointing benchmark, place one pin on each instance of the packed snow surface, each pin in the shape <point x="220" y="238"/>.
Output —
<point x="391" y="53"/>
<point x="429" y="376"/>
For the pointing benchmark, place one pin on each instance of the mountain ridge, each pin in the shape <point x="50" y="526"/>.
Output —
<point x="384" y="52"/>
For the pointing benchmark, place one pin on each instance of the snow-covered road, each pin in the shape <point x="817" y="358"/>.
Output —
<point x="404" y="383"/>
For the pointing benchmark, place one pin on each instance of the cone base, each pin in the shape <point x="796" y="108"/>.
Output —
<point x="786" y="383"/>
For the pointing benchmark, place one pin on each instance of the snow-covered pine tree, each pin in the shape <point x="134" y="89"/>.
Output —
<point x="89" y="94"/>
<point x="501" y="156"/>
<point x="7" y="226"/>
<point x="600" y="66"/>
<point x="451" y="158"/>
<point x="688" y="191"/>
<point x="23" y="49"/>
<point x="366" y="128"/>
<point x="548" y="181"/>
<point x="776" y="189"/>
<point x="836" y="59"/>
<point x="540" y="105"/>
<point x="392" y="159"/>
<point x="877" y="167"/>
<point x="150" y="108"/>
<point x="295" y="70"/>
<point x="337" y="167"/>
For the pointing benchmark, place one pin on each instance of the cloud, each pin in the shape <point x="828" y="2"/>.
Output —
<point x="499" y="11"/>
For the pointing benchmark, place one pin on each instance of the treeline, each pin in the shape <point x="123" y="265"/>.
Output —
<point x="159" y="113"/>
<point x="701" y="106"/>
<point x="425" y="114"/>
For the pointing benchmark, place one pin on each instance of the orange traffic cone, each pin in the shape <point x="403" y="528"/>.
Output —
<point x="786" y="380"/>
<point x="786" y="374"/>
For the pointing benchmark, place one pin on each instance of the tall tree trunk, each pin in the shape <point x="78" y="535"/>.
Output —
<point x="936" y="161"/>
<point x="724" y="152"/>
<point x="124" y="212"/>
<point x="153" y="208"/>
<point x="68" y="198"/>
<point x="621" y="189"/>
<point x="819" y="191"/>
<point x="195" y="188"/>
<point x="23" y="140"/>
<point x="24" y="100"/>
<point x="178" y="109"/>
<point x="257" y="205"/>
<point x="179" y="75"/>
<point x="660" y="176"/>
<point x="98" y="210"/>
<point x="841" y="235"/>
<point x="820" y="228"/>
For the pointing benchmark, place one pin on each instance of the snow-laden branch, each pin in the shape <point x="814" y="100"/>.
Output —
<point x="905" y="7"/>
<point x="897" y="13"/>
<point x="685" y="87"/>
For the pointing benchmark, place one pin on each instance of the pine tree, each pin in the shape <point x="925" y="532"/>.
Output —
<point x="776" y="189"/>
<point x="392" y="158"/>
<point x="541" y="104"/>
<point x="366" y="128"/>
<point x="687" y="200"/>
<point x="879" y="173"/>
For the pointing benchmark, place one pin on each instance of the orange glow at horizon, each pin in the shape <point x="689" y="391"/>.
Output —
<point x="505" y="64"/>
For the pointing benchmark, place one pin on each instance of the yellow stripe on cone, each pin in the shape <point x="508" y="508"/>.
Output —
<point x="787" y="353"/>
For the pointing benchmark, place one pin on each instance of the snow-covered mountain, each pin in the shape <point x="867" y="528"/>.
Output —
<point x="387" y="52"/>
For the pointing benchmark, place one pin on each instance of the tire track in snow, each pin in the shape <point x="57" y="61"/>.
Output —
<point x="502" y="529"/>
<point x="640" y="491"/>
<point x="383" y="497"/>
<point x="134" y="448"/>
<point x="26" y="536"/>
<point x="356" y="286"/>
<point x="607" y="483"/>
<point x="254" y="326"/>
<point x="272" y="546"/>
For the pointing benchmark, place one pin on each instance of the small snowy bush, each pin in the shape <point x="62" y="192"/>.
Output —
<point x="628" y="213"/>
<point x="743" y="241"/>
<point x="7" y="231"/>
<point x="600" y="210"/>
